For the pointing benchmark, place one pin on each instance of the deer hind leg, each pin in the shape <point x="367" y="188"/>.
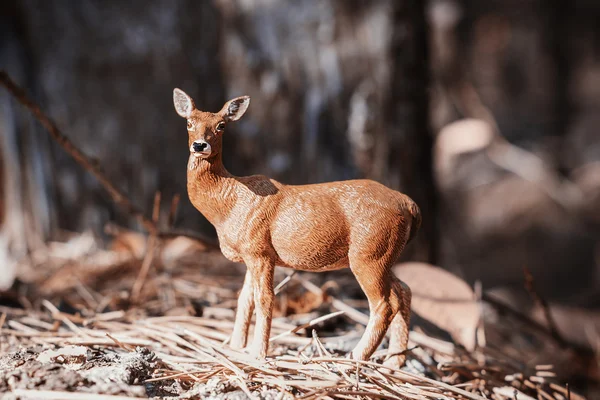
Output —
<point x="243" y="316"/>
<point x="400" y="324"/>
<point x="383" y="305"/>
<point x="264" y="296"/>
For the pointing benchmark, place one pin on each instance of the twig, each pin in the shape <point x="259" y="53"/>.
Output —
<point x="119" y="343"/>
<point x="21" y="327"/>
<point x="543" y="394"/>
<point x="91" y="166"/>
<point x="360" y="393"/>
<point x="352" y="313"/>
<point x="480" y="331"/>
<point x="153" y="244"/>
<point x="156" y="208"/>
<point x="565" y="391"/>
<point x="146" y="263"/>
<point x="384" y="387"/>
<point x="284" y="282"/>
<point x="56" y="314"/>
<point x="532" y="324"/>
<point x="173" y="211"/>
<point x="320" y="347"/>
<point x="530" y="286"/>
<point x="169" y="377"/>
<point x="511" y="392"/>
<point x="307" y="325"/>
<point x="402" y="373"/>
<point x="56" y="395"/>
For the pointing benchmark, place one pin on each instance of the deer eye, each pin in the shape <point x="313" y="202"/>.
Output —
<point x="220" y="126"/>
<point x="189" y="124"/>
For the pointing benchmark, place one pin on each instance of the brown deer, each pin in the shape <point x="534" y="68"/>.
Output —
<point x="359" y="224"/>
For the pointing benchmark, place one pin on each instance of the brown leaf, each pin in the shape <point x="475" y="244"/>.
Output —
<point x="443" y="299"/>
<point x="297" y="300"/>
<point x="129" y="242"/>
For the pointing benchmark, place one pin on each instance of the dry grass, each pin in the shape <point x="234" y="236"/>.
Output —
<point x="184" y="316"/>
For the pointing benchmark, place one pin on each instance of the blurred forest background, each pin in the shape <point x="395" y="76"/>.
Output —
<point x="485" y="112"/>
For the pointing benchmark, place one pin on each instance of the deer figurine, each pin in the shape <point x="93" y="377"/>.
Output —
<point x="359" y="224"/>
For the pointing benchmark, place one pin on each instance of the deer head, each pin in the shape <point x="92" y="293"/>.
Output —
<point x="205" y="129"/>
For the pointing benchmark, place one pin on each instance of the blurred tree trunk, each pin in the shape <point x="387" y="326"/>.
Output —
<point x="408" y="148"/>
<point x="557" y="28"/>
<point x="27" y="214"/>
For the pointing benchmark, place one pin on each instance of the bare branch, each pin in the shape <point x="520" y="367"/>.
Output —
<point x="118" y="197"/>
<point x="530" y="286"/>
<point x="90" y="165"/>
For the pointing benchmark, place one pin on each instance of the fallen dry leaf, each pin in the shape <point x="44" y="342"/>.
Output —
<point x="443" y="299"/>
<point x="296" y="300"/>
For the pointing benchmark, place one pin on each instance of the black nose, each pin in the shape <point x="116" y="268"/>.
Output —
<point x="199" y="146"/>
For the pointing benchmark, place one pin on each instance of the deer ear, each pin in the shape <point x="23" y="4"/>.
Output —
<point x="235" y="108"/>
<point x="184" y="105"/>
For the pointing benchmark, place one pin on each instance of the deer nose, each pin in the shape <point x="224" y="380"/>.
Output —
<point x="199" y="146"/>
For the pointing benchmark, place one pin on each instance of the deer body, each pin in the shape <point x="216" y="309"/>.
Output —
<point x="359" y="224"/>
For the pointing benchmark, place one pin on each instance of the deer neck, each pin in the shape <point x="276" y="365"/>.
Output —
<point x="211" y="188"/>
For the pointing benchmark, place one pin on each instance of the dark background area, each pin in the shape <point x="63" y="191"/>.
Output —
<point x="427" y="97"/>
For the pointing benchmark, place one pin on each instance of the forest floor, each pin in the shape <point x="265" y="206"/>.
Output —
<point x="140" y="320"/>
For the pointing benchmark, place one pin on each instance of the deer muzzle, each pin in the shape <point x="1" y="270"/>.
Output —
<point x="200" y="148"/>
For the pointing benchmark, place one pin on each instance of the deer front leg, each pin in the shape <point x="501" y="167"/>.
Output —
<point x="243" y="315"/>
<point x="264" y="295"/>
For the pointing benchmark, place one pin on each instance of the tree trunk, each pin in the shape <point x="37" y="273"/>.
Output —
<point x="408" y="143"/>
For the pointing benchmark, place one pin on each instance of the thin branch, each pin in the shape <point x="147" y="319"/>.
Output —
<point x="530" y="286"/>
<point x="173" y="210"/>
<point x="351" y="312"/>
<point x="153" y="244"/>
<point x="58" y="395"/>
<point x="309" y="324"/>
<point x="92" y="167"/>
<point x="284" y="282"/>
<point x="118" y="197"/>
<point x="531" y="323"/>
<point x="156" y="208"/>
